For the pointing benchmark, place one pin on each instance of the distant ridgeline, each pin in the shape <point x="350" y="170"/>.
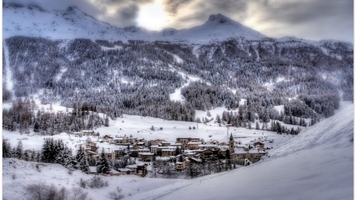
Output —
<point x="137" y="77"/>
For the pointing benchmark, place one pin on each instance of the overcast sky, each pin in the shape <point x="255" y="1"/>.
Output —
<point x="309" y="19"/>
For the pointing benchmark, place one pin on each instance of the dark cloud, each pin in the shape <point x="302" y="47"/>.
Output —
<point x="128" y="14"/>
<point x="126" y="11"/>
<point x="199" y="11"/>
<point x="118" y="2"/>
<point x="172" y="6"/>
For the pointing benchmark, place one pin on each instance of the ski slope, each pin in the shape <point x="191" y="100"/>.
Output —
<point x="317" y="164"/>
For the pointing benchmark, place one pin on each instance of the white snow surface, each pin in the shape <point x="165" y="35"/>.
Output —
<point x="8" y="75"/>
<point x="177" y="95"/>
<point x="316" y="164"/>
<point x="58" y="176"/>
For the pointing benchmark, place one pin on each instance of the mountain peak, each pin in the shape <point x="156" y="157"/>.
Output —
<point x="72" y="10"/>
<point x="219" y="18"/>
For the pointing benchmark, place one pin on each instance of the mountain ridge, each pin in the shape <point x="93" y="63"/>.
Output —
<point x="73" y="23"/>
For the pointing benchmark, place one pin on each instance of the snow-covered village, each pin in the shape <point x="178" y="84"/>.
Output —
<point x="151" y="147"/>
<point x="131" y="155"/>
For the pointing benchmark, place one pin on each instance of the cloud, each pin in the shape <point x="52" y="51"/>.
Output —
<point x="172" y="6"/>
<point x="120" y="13"/>
<point x="312" y="19"/>
<point x="301" y="11"/>
<point x="189" y="13"/>
<point x="129" y="13"/>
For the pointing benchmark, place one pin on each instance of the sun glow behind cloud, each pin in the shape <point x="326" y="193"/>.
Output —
<point x="153" y="16"/>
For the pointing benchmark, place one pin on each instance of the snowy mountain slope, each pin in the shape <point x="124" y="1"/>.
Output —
<point x="316" y="164"/>
<point x="218" y="27"/>
<point x="72" y="23"/>
<point x="59" y="24"/>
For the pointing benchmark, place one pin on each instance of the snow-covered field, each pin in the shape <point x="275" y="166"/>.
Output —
<point x="140" y="127"/>
<point x="316" y="164"/>
<point x="26" y="173"/>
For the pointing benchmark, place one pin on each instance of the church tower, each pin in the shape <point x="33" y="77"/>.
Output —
<point x="231" y="145"/>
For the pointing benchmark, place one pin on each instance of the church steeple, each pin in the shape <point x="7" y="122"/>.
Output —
<point x="231" y="144"/>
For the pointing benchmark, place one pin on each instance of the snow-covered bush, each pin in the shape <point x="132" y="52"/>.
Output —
<point x="117" y="195"/>
<point x="41" y="191"/>
<point x="97" y="182"/>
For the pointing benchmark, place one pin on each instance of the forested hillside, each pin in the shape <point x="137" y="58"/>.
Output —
<point x="137" y="77"/>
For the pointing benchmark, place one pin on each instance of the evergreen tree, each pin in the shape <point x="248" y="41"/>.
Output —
<point x="177" y="150"/>
<point x="65" y="157"/>
<point x="103" y="165"/>
<point x="218" y="119"/>
<point x="48" y="151"/>
<point x="265" y="116"/>
<point x="82" y="161"/>
<point x="106" y="121"/>
<point x="6" y="149"/>
<point x="36" y="127"/>
<point x="19" y="150"/>
<point x="33" y="156"/>
<point x="38" y="156"/>
<point x="26" y="156"/>
<point x="228" y="154"/>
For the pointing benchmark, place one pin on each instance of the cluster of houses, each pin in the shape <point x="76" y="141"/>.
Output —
<point x="182" y="151"/>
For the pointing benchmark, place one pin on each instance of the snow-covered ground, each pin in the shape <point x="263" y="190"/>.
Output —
<point x="177" y="95"/>
<point x="8" y="75"/>
<point x="316" y="164"/>
<point x="17" y="174"/>
<point x="140" y="127"/>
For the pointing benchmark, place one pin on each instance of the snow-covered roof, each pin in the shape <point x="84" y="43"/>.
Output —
<point x="194" y="143"/>
<point x="146" y="154"/>
<point x="256" y="151"/>
<point x="131" y="166"/>
<point x="166" y="150"/>
<point x="85" y="131"/>
<point x="196" y="159"/>
<point x="224" y="148"/>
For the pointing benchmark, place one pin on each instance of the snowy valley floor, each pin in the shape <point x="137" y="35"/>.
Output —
<point x="316" y="164"/>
